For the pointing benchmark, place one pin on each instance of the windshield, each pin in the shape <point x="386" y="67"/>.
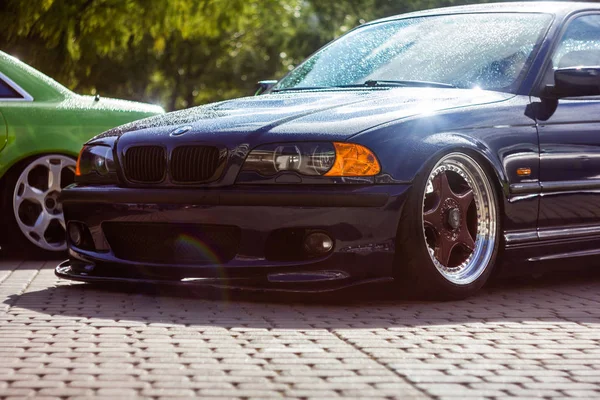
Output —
<point x="487" y="51"/>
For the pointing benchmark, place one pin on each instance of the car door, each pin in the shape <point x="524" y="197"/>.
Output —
<point x="570" y="141"/>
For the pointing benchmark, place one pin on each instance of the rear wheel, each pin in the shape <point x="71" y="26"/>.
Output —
<point x="447" y="249"/>
<point x="31" y="208"/>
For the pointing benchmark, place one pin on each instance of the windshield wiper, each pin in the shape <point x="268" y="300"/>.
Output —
<point x="303" y="88"/>
<point x="374" y="83"/>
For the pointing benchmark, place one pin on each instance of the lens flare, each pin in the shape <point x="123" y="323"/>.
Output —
<point x="188" y="244"/>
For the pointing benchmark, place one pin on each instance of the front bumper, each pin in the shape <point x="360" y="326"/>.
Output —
<point x="362" y="220"/>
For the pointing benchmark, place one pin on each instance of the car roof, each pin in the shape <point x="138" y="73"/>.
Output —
<point x="560" y="8"/>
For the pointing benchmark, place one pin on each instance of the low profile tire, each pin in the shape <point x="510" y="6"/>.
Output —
<point x="31" y="211"/>
<point x="448" y="238"/>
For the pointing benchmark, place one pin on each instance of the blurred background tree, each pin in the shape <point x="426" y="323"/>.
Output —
<point x="179" y="53"/>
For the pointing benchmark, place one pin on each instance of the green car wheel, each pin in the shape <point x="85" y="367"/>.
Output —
<point x="36" y="209"/>
<point x="43" y="125"/>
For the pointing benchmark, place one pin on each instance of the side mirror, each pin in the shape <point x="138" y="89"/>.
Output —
<point x="575" y="82"/>
<point x="264" y="86"/>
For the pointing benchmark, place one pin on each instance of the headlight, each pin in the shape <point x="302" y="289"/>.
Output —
<point x="320" y="159"/>
<point x="96" y="163"/>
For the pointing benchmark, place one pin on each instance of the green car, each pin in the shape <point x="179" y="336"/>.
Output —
<point x="42" y="128"/>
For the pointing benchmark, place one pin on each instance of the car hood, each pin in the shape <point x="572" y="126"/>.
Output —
<point x="317" y="115"/>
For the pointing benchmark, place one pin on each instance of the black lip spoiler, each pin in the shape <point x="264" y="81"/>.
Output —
<point x="64" y="270"/>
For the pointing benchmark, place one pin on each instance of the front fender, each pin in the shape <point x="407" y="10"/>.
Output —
<point x="447" y="142"/>
<point x="404" y="159"/>
<point x="500" y="135"/>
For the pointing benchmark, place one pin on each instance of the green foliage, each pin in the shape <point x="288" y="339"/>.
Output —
<point x="179" y="53"/>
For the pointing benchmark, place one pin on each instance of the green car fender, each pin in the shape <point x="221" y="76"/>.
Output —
<point x="59" y="127"/>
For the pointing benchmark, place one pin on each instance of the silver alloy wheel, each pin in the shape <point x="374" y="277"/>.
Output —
<point x="459" y="218"/>
<point x="35" y="200"/>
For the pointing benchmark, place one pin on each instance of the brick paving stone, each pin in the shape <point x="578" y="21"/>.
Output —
<point x="66" y="340"/>
<point x="66" y="392"/>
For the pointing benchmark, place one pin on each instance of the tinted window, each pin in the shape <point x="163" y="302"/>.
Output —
<point x="488" y="51"/>
<point x="580" y="45"/>
<point x="7" y="92"/>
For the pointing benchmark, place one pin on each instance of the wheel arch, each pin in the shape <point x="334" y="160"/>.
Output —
<point x="405" y="150"/>
<point x="427" y="150"/>
<point x="491" y="165"/>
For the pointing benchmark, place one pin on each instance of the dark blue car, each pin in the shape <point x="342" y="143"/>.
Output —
<point x="428" y="148"/>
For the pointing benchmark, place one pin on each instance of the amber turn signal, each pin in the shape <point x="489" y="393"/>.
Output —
<point x="353" y="160"/>
<point x="524" y="171"/>
<point x="78" y="165"/>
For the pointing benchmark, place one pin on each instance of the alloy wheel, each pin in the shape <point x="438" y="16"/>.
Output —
<point x="459" y="218"/>
<point x="36" y="205"/>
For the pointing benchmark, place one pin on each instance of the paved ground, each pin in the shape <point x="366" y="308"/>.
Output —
<point x="61" y="339"/>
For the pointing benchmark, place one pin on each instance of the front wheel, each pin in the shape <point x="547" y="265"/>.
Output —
<point x="31" y="210"/>
<point x="448" y="237"/>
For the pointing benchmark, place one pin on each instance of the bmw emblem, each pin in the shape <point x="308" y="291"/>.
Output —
<point x="180" y="131"/>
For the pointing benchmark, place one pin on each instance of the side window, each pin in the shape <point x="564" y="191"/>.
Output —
<point x="7" y="92"/>
<point x="579" y="46"/>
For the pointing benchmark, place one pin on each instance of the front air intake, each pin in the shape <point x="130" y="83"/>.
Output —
<point x="172" y="243"/>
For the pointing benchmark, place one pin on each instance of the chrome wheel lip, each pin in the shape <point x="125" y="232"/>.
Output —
<point x="486" y="205"/>
<point x="38" y="196"/>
